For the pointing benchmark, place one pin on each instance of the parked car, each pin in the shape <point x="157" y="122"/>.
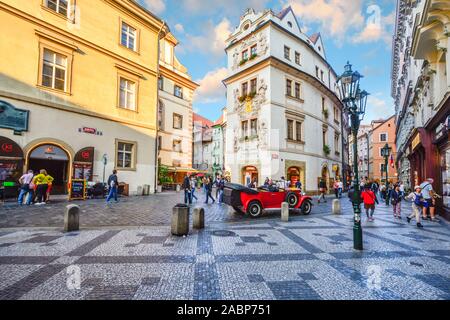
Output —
<point x="253" y="202"/>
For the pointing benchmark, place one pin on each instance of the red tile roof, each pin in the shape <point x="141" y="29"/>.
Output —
<point x="203" y="120"/>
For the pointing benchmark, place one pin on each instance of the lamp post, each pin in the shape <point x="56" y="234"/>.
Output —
<point x="105" y="162"/>
<point x="385" y="152"/>
<point x="355" y="102"/>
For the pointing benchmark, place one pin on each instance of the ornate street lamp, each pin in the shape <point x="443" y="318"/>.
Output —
<point x="385" y="152"/>
<point x="355" y="101"/>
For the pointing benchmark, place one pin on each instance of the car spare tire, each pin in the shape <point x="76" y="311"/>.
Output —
<point x="292" y="199"/>
<point x="254" y="209"/>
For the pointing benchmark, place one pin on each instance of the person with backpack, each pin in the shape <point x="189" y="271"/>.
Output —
<point x="369" y="199"/>
<point x="396" y="199"/>
<point x="428" y="194"/>
<point x="113" y="185"/>
<point x="417" y="205"/>
<point x="187" y="187"/>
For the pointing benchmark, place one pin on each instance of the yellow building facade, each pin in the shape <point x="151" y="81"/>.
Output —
<point x="78" y="89"/>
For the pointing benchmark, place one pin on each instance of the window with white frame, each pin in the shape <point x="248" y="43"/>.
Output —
<point x="59" y="6"/>
<point x="290" y="129"/>
<point x="383" y="137"/>
<point x="297" y="57"/>
<point x="178" y="92"/>
<point x="298" y="131"/>
<point x="336" y="143"/>
<point x="125" y="155"/>
<point x="287" y="52"/>
<point x="297" y="90"/>
<point x="54" y="70"/>
<point x="127" y="95"/>
<point x="176" y="145"/>
<point x="289" y="87"/>
<point x="177" y="121"/>
<point x="244" y="128"/>
<point x="253" y="127"/>
<point x="128" y="36"/>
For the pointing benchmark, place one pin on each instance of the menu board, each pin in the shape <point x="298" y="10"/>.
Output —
<point x="78" y="189"/>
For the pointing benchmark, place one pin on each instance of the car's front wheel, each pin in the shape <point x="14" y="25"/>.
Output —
<point x="306" y="207"/>
<point x="254" y="209"/>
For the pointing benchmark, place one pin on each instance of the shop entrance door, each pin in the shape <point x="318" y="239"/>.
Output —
<point x="55" y="161"/>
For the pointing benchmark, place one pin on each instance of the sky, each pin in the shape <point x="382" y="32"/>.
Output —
<point x="359" y="31"/>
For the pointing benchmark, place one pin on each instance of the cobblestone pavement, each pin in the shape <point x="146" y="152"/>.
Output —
<point x="310" y="257"/>
<point x="154" y="210"/>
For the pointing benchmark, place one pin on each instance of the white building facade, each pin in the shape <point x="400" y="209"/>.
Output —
<point x="284" y="116"/>
<point x="175" y="115"/>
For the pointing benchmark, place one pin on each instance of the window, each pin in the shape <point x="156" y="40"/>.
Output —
<point x="244" y="127"/>
<point x="59" y="6"/>
<point x="244" y="89"/>
<point x="324" y="137"/>
<point x="161" y="115"/>
<point x="297" y="90"/>
<point x="127" y="98"/>
<point x="287" y="52"/>
<point x="381" y="152"/>
<point x="54" y="70"/>
<point x="297" y="57"/>
<point x="160" y="83"/>
<point x="290" y="24"/>
<point x="336" y="114"/>
<point x="383" y="137"/>
<point x="253" y="127"/>
<point x="176" y="145"/>
<point x="321" y="75"/>
<point x="253" y="86"/>
<point x="298" y="131"/>
<point x="245" y="55"/>
<point x="290" y="129"/>
<point x="289" y="87"/>
<point x="128" y="36"/>
<point x="253" y="50"/>
<point x="126" y="154"/>
<point x="336" y="142"/>
<point x="177" y="121"/>
<point x="323" y="104"/>
<point x="317" y="72"/>
<point x="178" y="91"/>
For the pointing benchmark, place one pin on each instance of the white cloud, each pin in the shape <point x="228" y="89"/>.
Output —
<point x="376" y="30"/>
<point x="378" y="107"/>
<point x="155" y="6"/>
<point x="212" y="40"/>
<point x="211" y="87"/>
<point x="179" y="28"/>
<point x="335" y="17"/>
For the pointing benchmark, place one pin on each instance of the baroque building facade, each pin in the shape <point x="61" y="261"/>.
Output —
<point x="284" y="115"/>
<point x="78" y="90"/>
<point x="421" y="90"/>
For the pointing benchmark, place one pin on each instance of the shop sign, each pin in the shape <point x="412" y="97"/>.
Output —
<point x="9" y="148"/>
<point x="13" y="118"/>
<point x="88" y="130"/>
<point x="415" y="142"/>
<point x="335" y="168"/>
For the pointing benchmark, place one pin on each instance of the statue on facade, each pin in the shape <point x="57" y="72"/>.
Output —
<point x="262" y="43"/>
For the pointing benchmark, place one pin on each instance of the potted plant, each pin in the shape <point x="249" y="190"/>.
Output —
<point x="243" y="61"/>
<point x="326" y="150"/>
<point x="242" y="99"/>
<point x="253" y="56"/>
<point x="252" y="94"/>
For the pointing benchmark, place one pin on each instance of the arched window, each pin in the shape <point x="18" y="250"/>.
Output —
<point x="161" y="115"/>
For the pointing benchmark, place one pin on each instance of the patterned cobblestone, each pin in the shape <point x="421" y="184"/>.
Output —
<point x="310" y="257"/>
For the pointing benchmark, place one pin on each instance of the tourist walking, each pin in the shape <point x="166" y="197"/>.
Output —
<point x="336" y="189"/>
<point x="186" y="186"/>
<point x="25" y="188"/>
<point x="368" y="198"/>
<point x="340" y="188"/>
<point x="41" y="182"/>
<point x="417" y="204"/>
<point x="396" y="199"/>
<point x="113" y="185"/>
<point x="322" y="191"/>
<point x="220" y="188"/>
<point x="428" y="195"/>
<point x="209" y="186"/>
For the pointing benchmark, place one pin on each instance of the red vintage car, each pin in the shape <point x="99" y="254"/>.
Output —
<point x="254" y="201"/>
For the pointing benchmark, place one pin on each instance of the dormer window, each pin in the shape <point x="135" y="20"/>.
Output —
<point x="290" y="24"/>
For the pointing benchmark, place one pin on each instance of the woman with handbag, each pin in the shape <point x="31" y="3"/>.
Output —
<point x="396" y="200"/>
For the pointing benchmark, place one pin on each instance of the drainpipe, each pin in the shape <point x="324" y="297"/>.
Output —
<point x="160" y="33"/>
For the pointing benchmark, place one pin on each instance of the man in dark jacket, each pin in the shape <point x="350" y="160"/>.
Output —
<point x="113" y="185"/>
<point x="187" y="189"/>
<point x="209" y="186"/>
